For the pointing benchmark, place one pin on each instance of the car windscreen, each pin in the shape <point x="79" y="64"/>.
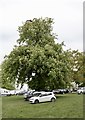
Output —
<point x="36" y="94"/>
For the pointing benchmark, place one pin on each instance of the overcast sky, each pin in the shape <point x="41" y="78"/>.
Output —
<point x="67" y="15"/>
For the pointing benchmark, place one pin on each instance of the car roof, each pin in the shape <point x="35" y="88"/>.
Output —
<point x="43" y="92"/>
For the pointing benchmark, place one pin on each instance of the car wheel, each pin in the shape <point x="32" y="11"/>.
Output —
<point x="36" y="101"/>
<point x="80" y="93"/>
<point x="52" y="99"/>
<point x="27" y="99"/>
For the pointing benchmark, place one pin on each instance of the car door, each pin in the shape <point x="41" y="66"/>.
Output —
<point x="43" y="98"/>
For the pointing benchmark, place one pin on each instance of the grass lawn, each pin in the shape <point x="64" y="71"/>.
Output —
<point x="0" y="108"/>
<point x="66" y="106"/>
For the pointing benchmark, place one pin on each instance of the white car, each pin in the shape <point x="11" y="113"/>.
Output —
<point x="81" y="90"/>
<point x="13" y="92"/>
<point x="43" y="97"/>
<point x="5" y="93"/>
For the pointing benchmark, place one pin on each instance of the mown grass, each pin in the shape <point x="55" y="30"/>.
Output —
<point x="0" y="108"/>
<point x="66" y="106"/>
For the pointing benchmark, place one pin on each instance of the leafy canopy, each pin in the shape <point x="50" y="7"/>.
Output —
<point x="37" y="60"/>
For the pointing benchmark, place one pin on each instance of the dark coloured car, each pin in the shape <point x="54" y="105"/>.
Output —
<point x="60" y="91"/>
<point x="28" y="95"/>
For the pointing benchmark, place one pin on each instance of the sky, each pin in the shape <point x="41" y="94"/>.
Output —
<point x="67" y="15"/>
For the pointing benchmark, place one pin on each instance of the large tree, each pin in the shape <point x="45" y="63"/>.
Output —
<point x="37" y="60"/>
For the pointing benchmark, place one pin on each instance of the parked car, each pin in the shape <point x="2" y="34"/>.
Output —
<point x="13" y="92"/>
<point x="81" y="90"/>
<point x="43" y="97"/>
<point x="4" y="92"/>
<point x="29" y="94"/>
<point x="60" y="91"/>
<point x="20" y="92"/>
<point x="56" y="91"/>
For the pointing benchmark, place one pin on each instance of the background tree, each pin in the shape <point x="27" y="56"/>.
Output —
<point x="83" y="69"/>
<point x="37" y="60"/>
<point x="4" y="77"/>
<point x="77" y="66"/>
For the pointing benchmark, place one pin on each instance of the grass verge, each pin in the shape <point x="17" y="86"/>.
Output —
<point x="65" y="106"/>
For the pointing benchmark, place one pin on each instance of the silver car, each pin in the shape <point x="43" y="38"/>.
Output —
<point x="81" y="90"/>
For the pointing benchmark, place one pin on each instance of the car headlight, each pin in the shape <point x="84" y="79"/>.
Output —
<point x="31" y="99"/>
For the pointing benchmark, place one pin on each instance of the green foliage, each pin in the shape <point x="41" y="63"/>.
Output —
<point x="5" y="81"/>
<point x="77" y="66"/>
<point x="38" y="53"/>
<point x="36" y="32"/>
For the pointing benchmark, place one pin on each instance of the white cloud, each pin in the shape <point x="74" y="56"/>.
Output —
<point x="67" y="14"/>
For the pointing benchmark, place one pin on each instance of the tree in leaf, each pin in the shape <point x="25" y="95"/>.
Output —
<point x="77" y="66"/>
<point x="38" y="54"/>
